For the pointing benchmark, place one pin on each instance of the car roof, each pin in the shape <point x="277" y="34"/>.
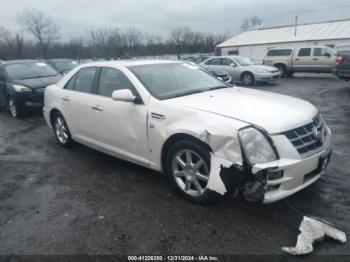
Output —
<point x="128" y="63"/>
<point x="23" y="61"/>
<point x="226" y="56"/>
<point x="59" y="60"/>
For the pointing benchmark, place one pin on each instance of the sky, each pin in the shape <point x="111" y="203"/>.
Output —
<point x="76" y="17"/>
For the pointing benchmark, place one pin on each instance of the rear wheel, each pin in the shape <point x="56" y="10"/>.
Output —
<point x="282" y="69"/>
<point x="188" y="167"/>
<point x="61" y="131"/>
<point x="247" y="79"/>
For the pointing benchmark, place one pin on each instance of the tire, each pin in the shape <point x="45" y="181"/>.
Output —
<point x="190" y="181"/>
<point x="290" y="74"/>
<point x="282" y="68"/>
<point x="61" y="130"/>
<point x="15" y="110"/>
<point x="247" y="79"/>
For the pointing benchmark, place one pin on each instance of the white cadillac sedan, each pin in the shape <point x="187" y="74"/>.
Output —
<point x="210" y="138"/>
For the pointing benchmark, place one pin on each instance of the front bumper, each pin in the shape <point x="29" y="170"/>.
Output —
<point x="266" y="77"/>
<point x="296" y="175"/>
<point x="34" y="99"/>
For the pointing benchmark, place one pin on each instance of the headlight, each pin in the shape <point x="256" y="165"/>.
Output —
<point x="19" y="88"/>
<point x="256" y="147"/>
<point x="263" y="71"/>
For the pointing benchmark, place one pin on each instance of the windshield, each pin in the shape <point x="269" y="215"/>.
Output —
<point x="332" y="50"/>
<point x="166" y="81"/>
<point x="244" y="61"/>
<point x="64" y="65"/>
<point x="29" y="70"/>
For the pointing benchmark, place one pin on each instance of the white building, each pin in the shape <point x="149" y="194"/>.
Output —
<point x="255" y="43"/>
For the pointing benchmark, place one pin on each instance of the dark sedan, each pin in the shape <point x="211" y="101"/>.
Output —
<point x="22" y="84"/>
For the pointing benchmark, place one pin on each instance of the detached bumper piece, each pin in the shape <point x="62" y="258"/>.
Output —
<point x="312" y="230"/>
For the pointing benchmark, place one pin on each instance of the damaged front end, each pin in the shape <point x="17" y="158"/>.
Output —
<point x="261" y="175"/>
<point x="227" y="177"/>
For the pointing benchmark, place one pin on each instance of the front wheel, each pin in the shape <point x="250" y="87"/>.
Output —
<point x="61" y="131"/>
<point x="247" y="79"/>
<point x="188" y="167"/>
<point x="15" y="110"/>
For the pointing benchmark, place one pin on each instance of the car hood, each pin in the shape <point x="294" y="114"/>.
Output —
<point x="40" y="82"/>
<point x="274" y="112"/>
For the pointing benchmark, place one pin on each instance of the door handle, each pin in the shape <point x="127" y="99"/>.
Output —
<point x="315" y="59"/>
<point x="97" y="108"/>
<point x="297" y="59"/>
<point x="65" y="99"/>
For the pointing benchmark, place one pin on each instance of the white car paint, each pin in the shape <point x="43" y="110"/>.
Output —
<point x="138" y="132"/>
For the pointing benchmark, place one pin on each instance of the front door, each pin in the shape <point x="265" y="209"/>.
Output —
<point x="322" y="61"/>
<point x="120" y="126"/>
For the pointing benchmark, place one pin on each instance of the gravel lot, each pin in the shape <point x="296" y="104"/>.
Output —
<point x="80" y="201"/>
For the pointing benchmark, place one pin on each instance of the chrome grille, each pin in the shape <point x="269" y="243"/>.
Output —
<point x="308" y="139"/>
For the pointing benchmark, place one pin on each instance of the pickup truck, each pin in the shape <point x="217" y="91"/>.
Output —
<point x="317" y="59"/>
<point x="342" y="70"/>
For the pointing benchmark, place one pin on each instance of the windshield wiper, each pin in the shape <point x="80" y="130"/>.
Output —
<point x="190" y="92"/>
<point x="218" y="87"/>
<point x="31" y="77"/>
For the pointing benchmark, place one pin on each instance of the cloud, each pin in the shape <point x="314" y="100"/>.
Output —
<point x="160" y="16"/>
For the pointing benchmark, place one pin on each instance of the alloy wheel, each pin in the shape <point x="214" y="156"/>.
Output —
<point x="61" y="130"/>
<point x="247" y="79"/>
<point x="190" y="172"/>
<point x="13" y="108"/>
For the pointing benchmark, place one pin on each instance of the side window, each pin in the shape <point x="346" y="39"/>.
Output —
<point x="320" y="51"/>
<point x="112" y="79"/>
<point x="214" y="61"/>
<point x="279" y="52"/>
<point x="70" y="84"/>
<point x="226" y="61"/>
<point x="85" y="79"/>
<point x="304" y="52"/>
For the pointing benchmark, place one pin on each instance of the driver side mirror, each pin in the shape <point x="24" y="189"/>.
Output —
<point x="233" y="65"/>
<point x="123" y="95"/>
<point x="327" y="54"/>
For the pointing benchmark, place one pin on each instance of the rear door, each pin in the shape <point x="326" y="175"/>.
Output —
<point x="79" y="104"/>
<point x="302" y="60"/>
<point x="322" y="60"/>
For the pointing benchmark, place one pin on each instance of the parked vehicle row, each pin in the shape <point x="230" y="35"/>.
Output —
<point x="210" y="138"/>
<point x="63" y="66"/>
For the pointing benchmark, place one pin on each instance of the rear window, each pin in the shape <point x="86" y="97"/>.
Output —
<point x="279" y="52"/>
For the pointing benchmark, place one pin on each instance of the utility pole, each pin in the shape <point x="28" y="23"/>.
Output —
<point x="296" y="25"/>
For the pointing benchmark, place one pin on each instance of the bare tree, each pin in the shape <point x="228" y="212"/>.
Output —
<point x="180" y="37"/>
<point x="41" y="27"/>
<point x="5" y="34"/>
<point x="134" y="39"/>
<point x="250" y="22"/>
